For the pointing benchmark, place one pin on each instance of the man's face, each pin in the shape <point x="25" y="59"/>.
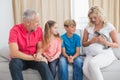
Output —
<point x="34" y="23"/>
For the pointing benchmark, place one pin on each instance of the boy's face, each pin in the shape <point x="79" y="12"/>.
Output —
<point x="70" y="29"/>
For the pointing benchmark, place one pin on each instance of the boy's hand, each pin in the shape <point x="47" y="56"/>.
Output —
<point x="70" y="59"/>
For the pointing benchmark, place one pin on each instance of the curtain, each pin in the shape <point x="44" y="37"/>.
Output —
<point x="112" y="10"/>
<point x="57" y="10"/>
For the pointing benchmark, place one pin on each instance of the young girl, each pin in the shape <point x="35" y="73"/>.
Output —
<point x="52" y="45"/>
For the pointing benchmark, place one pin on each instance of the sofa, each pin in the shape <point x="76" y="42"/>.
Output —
<point x="111" y="72"/>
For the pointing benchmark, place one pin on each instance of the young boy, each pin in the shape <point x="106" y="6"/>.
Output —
<point x="70" y="53"/>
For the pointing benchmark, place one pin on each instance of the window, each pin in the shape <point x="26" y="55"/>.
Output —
<point x="79" y="10"/>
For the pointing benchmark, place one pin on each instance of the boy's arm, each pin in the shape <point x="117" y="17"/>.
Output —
<point x="64" y="53"/>
<point x="78" y="44"/>
<point x="77" y="52"/>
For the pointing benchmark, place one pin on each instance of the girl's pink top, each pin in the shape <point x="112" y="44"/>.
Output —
<point x="53" y="51"/>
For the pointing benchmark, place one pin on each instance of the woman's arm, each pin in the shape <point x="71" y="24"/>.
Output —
<point x="85" y="41"/>
<point x="114" y="43"/>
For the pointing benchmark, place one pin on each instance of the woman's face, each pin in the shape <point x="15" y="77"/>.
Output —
<point x="94" y="18"/>
<point x="54" y="29"/>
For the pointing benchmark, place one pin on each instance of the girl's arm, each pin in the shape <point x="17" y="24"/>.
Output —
<point x="59" y="49"/>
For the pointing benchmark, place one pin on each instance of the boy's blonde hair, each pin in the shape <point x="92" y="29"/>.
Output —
<point x="69" y="22"/>
<point x="99" y="12"/>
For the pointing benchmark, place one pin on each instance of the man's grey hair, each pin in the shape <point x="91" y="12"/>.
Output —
<point x="29" y="14"/>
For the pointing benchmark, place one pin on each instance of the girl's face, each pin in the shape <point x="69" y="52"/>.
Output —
<point x="94" y="18"/>
<point x="54" y="29"/>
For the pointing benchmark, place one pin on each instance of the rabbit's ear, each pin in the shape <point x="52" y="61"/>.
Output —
<point x="97" y="33"/>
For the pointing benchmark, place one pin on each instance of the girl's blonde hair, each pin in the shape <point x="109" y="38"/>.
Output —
<point x="99" y="12"/>
<point x="47" y="31"/>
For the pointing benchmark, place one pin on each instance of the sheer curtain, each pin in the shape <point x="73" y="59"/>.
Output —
<point x="58" y="10"/>
<point x="112" y="9"/>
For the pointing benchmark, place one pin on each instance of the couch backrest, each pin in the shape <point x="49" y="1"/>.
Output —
<point x="80" y="33"/>
<point x="4" y="52"/>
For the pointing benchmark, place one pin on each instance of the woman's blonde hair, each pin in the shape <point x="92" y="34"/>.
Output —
<point x="99" y="12"/>
<point x="47" y="31"/>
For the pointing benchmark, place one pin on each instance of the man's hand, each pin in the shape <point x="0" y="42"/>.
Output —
<point x="39" y="57"/>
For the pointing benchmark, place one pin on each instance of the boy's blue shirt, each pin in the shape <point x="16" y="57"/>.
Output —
<point x="70" y="44"/>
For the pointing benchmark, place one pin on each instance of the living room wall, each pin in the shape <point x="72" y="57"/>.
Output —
<point x="6" y="21"/>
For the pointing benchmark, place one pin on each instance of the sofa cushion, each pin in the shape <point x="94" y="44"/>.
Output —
<point x="5" y="53"/>
<point x="112" y="72"/>
<point x="4" y="67"/>
<point x="117" y="50"/>
<point x="2" y="59"/>
<point x="113" y="67"/>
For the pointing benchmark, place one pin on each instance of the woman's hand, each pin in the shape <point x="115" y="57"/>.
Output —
<point x="102" y="40"/>
<point x="94" y="40"/>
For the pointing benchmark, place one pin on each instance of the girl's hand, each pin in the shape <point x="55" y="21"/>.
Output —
<point x="44" y="60"/>
<point x="37" y="57"/>
<point x="51" y="57"/>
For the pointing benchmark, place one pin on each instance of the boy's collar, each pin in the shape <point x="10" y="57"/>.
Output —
<point x="69" y="35"/>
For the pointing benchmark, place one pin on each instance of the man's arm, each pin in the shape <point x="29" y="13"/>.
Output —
<point x="38" y="56"/>
<point x="39" y="47"/>
<point x="15" y="53"/>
